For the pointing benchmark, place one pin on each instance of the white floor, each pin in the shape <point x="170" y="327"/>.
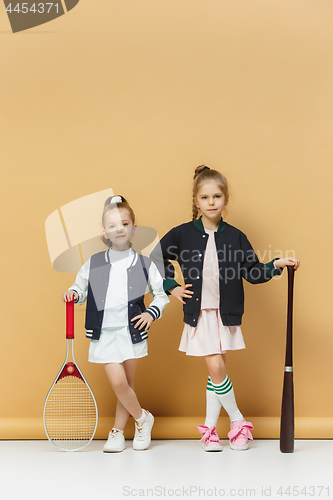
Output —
<point x="169" y="469"/>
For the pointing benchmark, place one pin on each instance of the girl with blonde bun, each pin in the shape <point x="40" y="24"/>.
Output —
<point x="214" y="258"/>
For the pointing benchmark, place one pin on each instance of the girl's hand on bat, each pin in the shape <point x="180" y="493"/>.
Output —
<point x="287" y="261"/>
<point x="69" y="295"/>
<point x="144" y="321"/>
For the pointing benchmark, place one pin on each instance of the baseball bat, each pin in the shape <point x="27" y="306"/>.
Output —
<point x="287" y="409"/>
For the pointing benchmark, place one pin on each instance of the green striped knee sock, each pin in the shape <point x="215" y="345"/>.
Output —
<point x="225" y="394"/>
<point x="213" y="405"/>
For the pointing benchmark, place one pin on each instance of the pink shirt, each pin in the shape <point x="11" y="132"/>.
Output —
<point x="210" y="298"/>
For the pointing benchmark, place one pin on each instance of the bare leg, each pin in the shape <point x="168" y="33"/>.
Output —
<point x="120" y="383"/>
<point x="121" y="413"/>
<point x="216" y="367"/>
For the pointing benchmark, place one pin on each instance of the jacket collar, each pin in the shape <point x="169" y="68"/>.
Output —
<point x="134" y="260"/>
<point x="199" y="225"/>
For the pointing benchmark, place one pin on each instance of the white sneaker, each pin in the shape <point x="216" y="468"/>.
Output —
<point x="115" y="442"/>
<point x="142" y="436"/>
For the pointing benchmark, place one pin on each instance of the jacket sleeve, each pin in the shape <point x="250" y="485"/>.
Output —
<point x="254" y="271"/>
<point x="155" y="286"/>
<point x="80" y="285"/>
<point x="165" y="251"/>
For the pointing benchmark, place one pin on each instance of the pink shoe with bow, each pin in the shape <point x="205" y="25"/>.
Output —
<point x="209" y="438"/>
<point x="240" y="434"/>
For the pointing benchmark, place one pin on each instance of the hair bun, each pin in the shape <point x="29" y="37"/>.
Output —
<point x="115" y="199"/>
<point x="200" y="169"/>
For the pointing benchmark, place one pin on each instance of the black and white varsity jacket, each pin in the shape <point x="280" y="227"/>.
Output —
<point x="237" y="260"/>
<point x="93" y="280"/>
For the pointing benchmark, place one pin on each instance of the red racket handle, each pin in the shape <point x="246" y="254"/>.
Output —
<point x="70" y="319"/>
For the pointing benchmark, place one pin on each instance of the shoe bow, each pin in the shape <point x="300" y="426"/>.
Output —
<point x="208" y="433"/>
<point x="244" y="428"/>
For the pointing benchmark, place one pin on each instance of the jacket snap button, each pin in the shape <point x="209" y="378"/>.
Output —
<point x="131" y="305"/>
<point x="204" y="236"/>
<point x="196" y="299"/>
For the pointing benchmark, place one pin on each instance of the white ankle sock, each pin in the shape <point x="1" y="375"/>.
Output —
<point x="143" y="418"/>
<point x="225" y="393"/>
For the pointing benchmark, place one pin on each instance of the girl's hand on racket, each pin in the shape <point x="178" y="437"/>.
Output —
<point x="288" y="261"/>
<point x="181" y="292"/>
<point x="145" y="320"/>
<point x="69" y="295"/>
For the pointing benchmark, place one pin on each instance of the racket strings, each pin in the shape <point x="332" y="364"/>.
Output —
<point x="70" y="413"/>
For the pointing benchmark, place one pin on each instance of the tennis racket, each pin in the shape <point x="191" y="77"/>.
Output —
<point x="70" y="411"/>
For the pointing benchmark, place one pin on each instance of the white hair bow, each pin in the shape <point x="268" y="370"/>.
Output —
<point x="116" y="199"/>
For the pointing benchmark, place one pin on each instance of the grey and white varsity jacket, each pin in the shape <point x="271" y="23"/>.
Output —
<point x="93" y="280"/>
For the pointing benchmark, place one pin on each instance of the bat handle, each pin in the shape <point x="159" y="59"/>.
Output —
<point x="70" y="319"/>
<point x="291" y="274"/>
<point x="289" y="344"/>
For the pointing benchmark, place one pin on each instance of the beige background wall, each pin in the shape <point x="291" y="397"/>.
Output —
<point x="133" y="96"/>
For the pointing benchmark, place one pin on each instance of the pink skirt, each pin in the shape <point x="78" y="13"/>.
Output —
<point x="210" y="336"/>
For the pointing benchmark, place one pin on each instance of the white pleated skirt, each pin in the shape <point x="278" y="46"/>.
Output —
<point x="210" y="336"/>
<point x="115" y="346"/>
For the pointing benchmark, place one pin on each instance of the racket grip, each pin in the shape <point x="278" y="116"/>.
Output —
<point x="70" y="319"/>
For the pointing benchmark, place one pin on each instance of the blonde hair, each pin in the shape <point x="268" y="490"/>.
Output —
<point x="109" y="206"/>
<point x="202" y="175"/>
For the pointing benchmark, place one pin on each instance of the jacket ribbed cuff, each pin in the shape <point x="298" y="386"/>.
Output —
<point x="154" y="312"/>
<point x="168" y="284"/>
<point x="270" y="269"/>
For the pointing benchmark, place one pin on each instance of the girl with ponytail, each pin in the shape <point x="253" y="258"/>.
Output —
<point x="114" y="282"/>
